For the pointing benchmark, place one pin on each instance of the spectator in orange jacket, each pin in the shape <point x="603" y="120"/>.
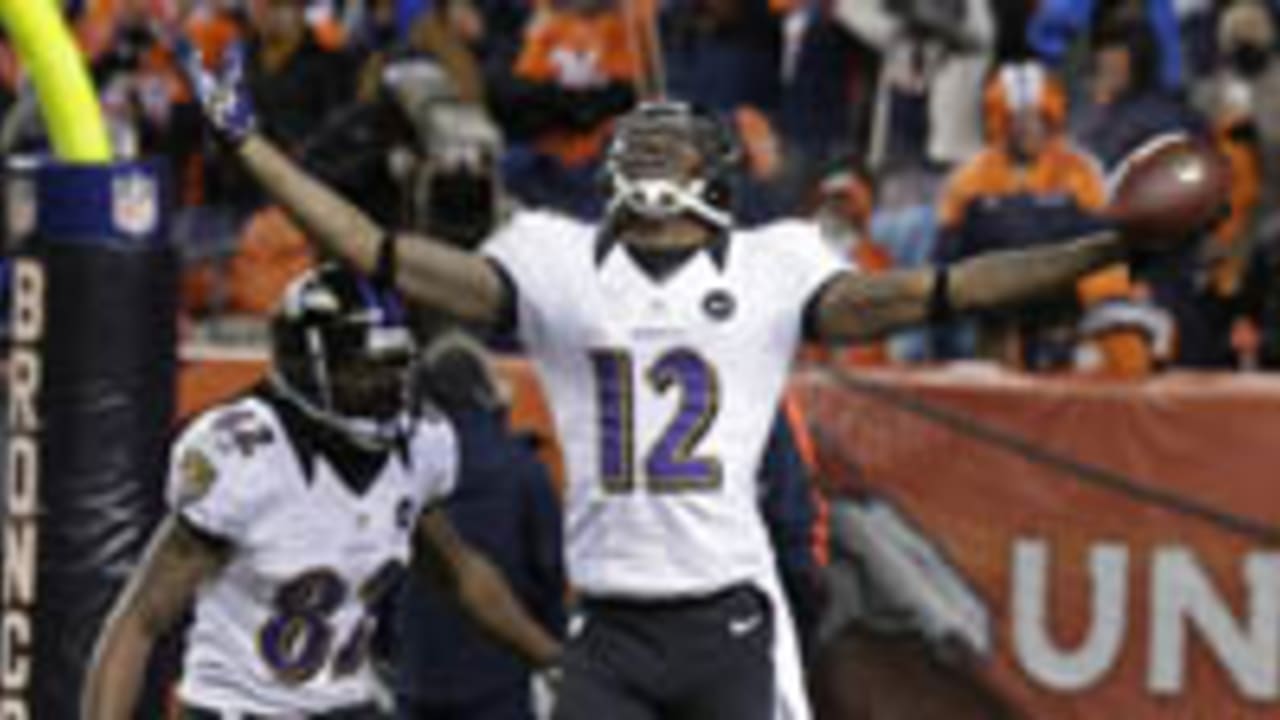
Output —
<point x="575" y="72"/>
<point x="1028" y="186"/>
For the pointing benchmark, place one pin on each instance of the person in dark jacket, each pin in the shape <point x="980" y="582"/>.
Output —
<point x="296" y="77"/>
<point x="1127" y="105"/>
<point x="505" y="504"/>
<point x="298" y="81"/>
<point x="791" y="511"/>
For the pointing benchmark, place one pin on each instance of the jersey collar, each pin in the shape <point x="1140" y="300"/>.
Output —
<point x="305" y="436"/>
<point x="294" y="424"/>
<point x="717" y="248"/>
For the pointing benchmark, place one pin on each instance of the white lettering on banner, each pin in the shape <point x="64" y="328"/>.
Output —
<point x="24" y="378"/>
<point x="19" y="590"/>
<point x="20" y="554"/>
<point x="1034" y="647"/>
<point x="28" y="301"/>
<point x="1249" y="650"/>
<point x="1182" y="596"/>
<point x="22" y="469"/>
<point x="13" y="710"/>
<point x="15" y="629"/>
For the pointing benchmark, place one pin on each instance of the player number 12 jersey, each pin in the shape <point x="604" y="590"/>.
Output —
<point x="663" y="392"/>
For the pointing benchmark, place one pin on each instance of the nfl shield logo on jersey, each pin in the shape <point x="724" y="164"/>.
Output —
<point x="135" y="203"/>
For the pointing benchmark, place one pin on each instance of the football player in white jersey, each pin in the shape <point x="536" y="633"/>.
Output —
<point x="293" y="510"/>
<point x="663" y="339"/>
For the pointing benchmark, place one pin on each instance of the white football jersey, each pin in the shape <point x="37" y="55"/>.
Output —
<point x="663" y="393"/>
<point x="284" y="626"/>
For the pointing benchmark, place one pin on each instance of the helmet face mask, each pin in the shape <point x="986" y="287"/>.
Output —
<point x="666" y="160"/>
<point x="370" y="382"/>
<point x="342" y="353"/>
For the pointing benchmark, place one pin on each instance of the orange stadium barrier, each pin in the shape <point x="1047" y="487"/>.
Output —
<point x="1123" y="537"/>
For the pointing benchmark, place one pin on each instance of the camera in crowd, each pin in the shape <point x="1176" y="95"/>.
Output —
<point x="419" y="157"/>
<point x="452" y="175"/>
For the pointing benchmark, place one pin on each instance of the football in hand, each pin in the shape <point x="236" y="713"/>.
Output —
<point x="1170" y="190"/>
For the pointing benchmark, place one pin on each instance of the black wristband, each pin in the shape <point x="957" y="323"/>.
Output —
<point x="384" y="268"/>
<point x="940" y="296"/>
<point x="552" y="671"/>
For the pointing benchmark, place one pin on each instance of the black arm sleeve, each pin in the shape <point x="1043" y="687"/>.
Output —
<point x="810" y="327"/>
<point x="507" y="323"/>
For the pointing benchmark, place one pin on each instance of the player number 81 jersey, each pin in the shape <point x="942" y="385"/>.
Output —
<point x="284" y="625"/>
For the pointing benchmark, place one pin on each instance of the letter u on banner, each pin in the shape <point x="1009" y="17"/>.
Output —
<point x="1037" y="653"/>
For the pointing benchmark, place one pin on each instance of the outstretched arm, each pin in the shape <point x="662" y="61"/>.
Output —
<point x="481" y="590"/>
<point x="437" y="275"/>
<point x="858" y="307"/>
<point x="431" y="273"/>
<point x="160" y="590"/>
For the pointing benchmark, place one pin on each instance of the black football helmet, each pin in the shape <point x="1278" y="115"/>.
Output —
<point x="667" y="159"/>
<point x="342" y="351"/>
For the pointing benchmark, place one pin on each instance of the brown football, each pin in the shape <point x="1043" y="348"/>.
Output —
<point x="1169" y="190"/>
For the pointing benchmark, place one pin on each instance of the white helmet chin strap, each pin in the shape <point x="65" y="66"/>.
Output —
<point x="367" y="433"/>
<point x="661" y="198"/>
<point x="371" y="433"/>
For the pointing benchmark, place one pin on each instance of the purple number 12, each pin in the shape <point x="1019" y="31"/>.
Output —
<point x="670" y="465"/>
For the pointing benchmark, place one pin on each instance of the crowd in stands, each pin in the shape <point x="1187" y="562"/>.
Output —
<point x="913" y="130"/>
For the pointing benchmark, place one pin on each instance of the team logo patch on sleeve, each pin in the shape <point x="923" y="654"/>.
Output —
<point x="196" y="475"/>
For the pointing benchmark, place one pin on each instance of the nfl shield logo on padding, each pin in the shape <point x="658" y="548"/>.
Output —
<point x="20" y="208"/>
<point x="135" y="205"/>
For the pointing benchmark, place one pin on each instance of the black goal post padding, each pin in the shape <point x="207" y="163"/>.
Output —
<point x="92" y="359"/>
